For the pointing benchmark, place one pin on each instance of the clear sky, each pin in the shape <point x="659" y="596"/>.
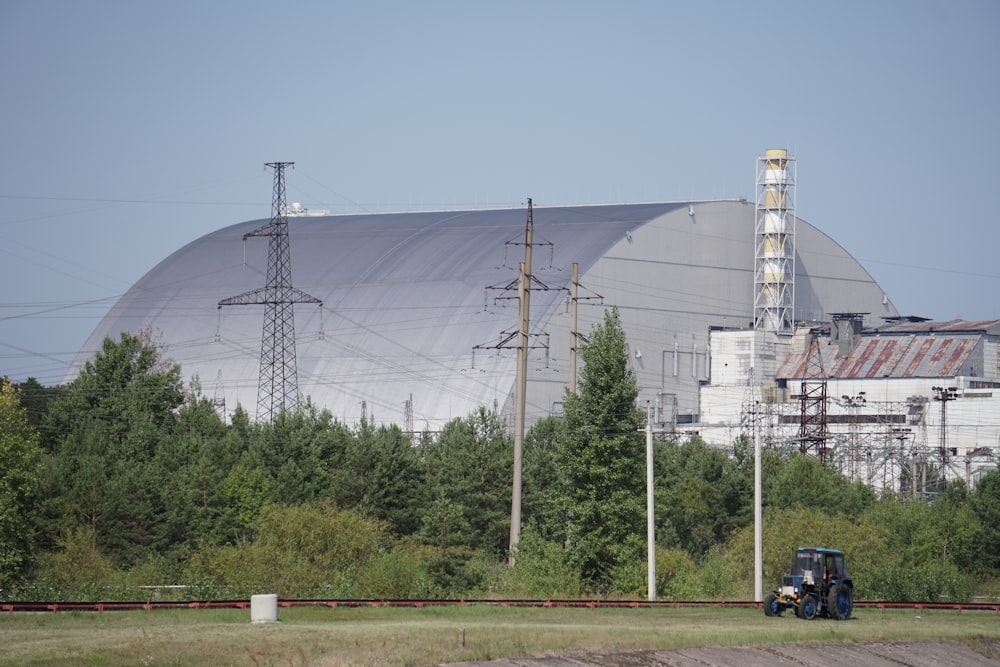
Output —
<point x="130" y="129"/>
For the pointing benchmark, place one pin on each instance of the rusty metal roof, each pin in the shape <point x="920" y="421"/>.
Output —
<point x="896" y="356"/>
<point x="952" y="326"/>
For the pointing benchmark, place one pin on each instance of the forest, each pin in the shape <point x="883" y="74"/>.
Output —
<point x="127" y="478"/>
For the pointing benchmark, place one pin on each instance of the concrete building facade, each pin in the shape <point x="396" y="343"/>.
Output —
<point x="905" y="399"/>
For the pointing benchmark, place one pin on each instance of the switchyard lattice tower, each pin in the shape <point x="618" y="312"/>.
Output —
<point x="774" y="243"/>
<point x="813" y="432"/>
<point x="277" y="388"/>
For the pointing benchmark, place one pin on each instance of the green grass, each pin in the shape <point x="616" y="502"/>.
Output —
<point x="407" y="636"/>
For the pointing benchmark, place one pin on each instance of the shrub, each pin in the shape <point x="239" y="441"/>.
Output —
<point x="392" y="576"/>
<point x="299" y="551"/>
<point x="541" y="570"/>
<point x="76" y="571"/>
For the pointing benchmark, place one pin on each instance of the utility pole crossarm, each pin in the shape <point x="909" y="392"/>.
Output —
<point x="575" y="336"/>
<point x="507" y="337"/>
<point x="266" y="295"/>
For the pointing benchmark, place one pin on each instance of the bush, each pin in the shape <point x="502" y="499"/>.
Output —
<point x="305" y="550"/>
<point x="721" y="577"/>
<point x="458" y="572"/>
<point x="931" y="582"/>
<point x="76" y="571"/>
<point x="676" y="575"/>
<point x="541" y="571"/>
<point x="392" y="576"/>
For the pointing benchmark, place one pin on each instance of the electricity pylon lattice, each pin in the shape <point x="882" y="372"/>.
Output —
<point x="277" y="388"/>
<point x="813" y="432"/>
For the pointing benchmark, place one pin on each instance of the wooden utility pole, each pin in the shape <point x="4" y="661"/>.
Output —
<point x="521" y="382"/>
<point x="573" y="333"/>
<point x="575" y="337"/>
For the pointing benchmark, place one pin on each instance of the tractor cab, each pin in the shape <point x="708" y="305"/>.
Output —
<point x="814" y="568"/>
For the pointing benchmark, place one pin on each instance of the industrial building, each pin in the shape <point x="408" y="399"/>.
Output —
<point x="418" y="309"/>
<point x="904" y="403"/>
<point x="740" y="317"/>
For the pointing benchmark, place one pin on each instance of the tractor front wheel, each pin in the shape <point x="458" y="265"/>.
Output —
<point x="840" y="602"/>
<point x="773" y="606"/>
<point x="808" y="607"/>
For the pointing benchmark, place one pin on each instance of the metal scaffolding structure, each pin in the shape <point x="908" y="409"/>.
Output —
<point x="774" y="243"/>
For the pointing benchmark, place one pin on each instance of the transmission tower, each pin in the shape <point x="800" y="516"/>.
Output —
<point x="813" y="423"/>
<point x="219" y="398"/>
<point x="944" y="395"/>
<point x="408" y="416"/>
<point x="749" y="413"/>
<point x="277" y="388"/>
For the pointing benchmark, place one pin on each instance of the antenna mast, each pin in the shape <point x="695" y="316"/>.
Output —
<point x="277" y="389"/>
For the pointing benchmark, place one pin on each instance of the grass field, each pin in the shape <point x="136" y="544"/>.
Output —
<point x="408" y="636"/>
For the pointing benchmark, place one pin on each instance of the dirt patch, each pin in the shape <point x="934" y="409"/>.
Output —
<point x="871" y="654"/>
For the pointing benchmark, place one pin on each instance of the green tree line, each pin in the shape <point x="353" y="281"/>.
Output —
<point x="125" y="479"/>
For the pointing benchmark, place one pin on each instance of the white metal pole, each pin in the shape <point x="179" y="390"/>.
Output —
<point x="650" y="532"/>
<point x="758" y="554"/>
<point x="520" y="388"/>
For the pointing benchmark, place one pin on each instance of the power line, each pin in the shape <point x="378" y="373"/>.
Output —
<point x="97" y="200"/>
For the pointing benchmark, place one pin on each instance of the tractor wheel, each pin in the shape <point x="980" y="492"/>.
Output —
<point x="773" y="606"/>
<point x="840" y="602"/>
<point x="808" y="607"/>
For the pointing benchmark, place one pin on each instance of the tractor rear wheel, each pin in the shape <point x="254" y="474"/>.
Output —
<point x="772" y="605"/>
<point x="840" y="602"/>
<point x="808" y="607"/>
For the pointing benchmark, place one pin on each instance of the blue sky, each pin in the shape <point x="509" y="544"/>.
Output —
<point x="130" y="129"/>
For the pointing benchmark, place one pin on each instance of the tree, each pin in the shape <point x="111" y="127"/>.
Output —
<point x="924" y="545"/>
<point x="106" y="429"/>
<point x="20" y="471"/>
<point x="701" y="495"/>
<point x="806" y="482"/>
<point x="469" y="481"/>
<point x="543" y="483"/>
<point x="298" y="452"/>
<point x="191" y="467"/>
<point x="985" y="503"/>
<point x="130" y="388"/>
<point x="35" y="399"/>
<point x="603" y="458"/>
<point x="389" y="477"/>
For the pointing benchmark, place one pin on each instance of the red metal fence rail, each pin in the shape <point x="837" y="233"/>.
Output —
<point x="150" y="605"/>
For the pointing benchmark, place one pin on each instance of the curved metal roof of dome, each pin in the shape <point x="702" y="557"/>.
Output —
<point x="405" y="302"/>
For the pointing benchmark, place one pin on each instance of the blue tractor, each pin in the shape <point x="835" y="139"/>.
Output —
<point x="817" y="584"/>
